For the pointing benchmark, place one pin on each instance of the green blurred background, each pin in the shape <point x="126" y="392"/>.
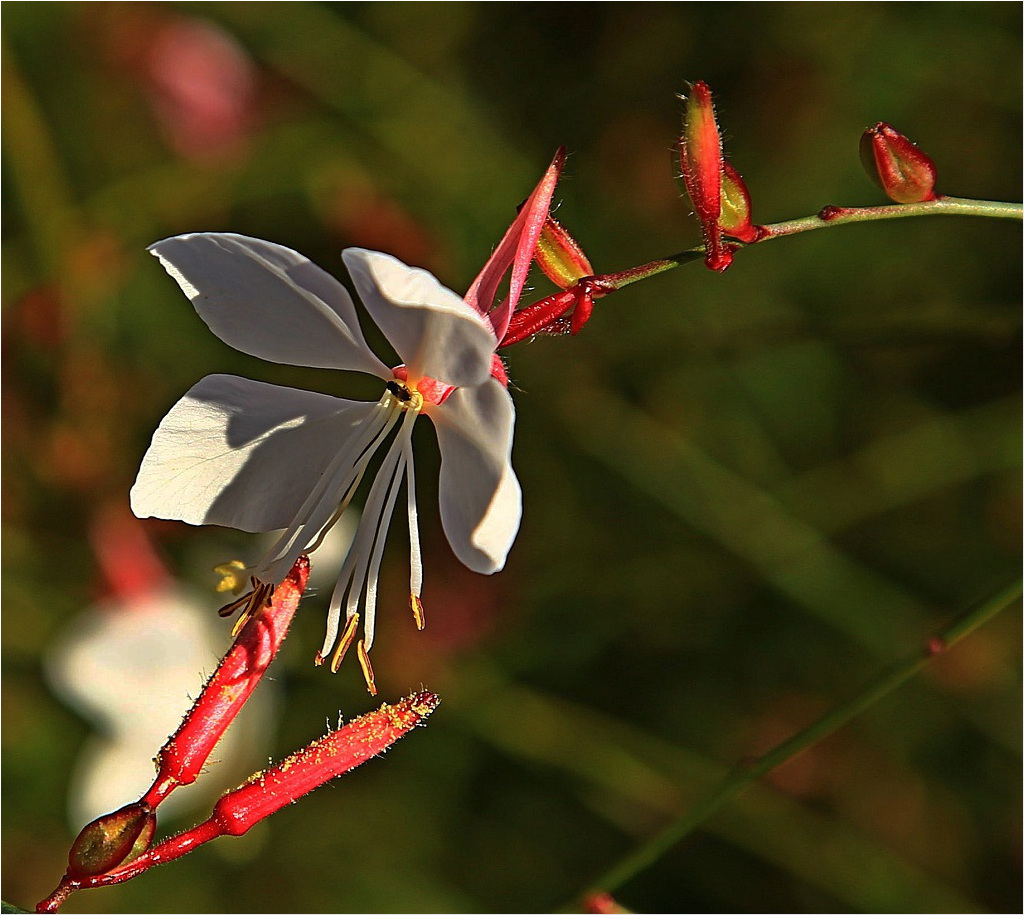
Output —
<point x="743" y="493"/>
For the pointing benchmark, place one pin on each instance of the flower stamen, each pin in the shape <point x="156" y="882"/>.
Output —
<point x="417" y="612"/>
<point x="258" y="596"/>
<point x="380" y="538"/>
<point x="342" y="476"/>
<point x="364" y="663"/>
<point x="415" y="553"/>
<point x="357" y="586"/>
<point x="348" y="636"/>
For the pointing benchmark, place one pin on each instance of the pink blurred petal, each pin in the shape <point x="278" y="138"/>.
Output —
<point x="130" y="565"/>
<point x="204" y="86"/>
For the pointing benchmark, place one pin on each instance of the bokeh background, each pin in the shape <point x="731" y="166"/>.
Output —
<point x="744" y="494"/>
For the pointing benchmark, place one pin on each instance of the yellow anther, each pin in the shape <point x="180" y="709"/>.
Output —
<point x="417" y="611"/>
<point x="364" y="663"/>
<point x="232" y="577"/>
<point x="348" y="635"/>
<point x="250" y="603"/>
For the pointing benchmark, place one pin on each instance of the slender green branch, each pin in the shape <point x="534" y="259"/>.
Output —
<point x="943" y="206"/>
<point x="827" y="218"/>
<point x="744" y="776"/>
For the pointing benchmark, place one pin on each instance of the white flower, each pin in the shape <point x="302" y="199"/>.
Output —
<point x="260" y="457"/>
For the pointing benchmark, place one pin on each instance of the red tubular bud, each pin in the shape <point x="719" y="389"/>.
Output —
<point x="111" y="840"/>
<point x="700" y="158"/>
<point x="118" y="837"/>
<point x="535" y="318"/>
<point x="241" y="669"/>
<point x="337" y="753"/>
<point x="559" y="255"/>
<point x="701" y="154"/>
<point x="897" y="166"/>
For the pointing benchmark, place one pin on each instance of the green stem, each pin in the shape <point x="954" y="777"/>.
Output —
<point x="744" y="776"/>
<point x="943" y="206"/>
<point x="827" y="218"/>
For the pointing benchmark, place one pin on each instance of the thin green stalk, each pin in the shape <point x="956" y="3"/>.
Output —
<point x="744" y="776"/>
<point x="943" y="206"/>
<point x="828" y="218"/>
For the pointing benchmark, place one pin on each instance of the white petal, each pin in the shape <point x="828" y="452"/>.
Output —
<point x="242" y="453"/>
<point x="268" y="301"/>
<point x="481" y="502"/>
<point x="432" y="329"/>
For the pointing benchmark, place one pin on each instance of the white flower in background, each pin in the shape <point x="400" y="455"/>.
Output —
<point x="260" y="457"/>
<point x="127" y="664"/>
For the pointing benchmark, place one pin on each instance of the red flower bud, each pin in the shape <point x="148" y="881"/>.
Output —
<point x="110" y="850"/>
<point x="240" y="670"/>
<point x="559" y="255"/>
<point x="337" y="753"/>
<point x="736" y="207"/>
<point x="897" y="166"/>
<point x="700" y="157"/>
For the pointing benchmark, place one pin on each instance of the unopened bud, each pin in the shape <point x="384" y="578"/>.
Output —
<point x="559" y="255"/>
<point x="337" y="753"/>
<point x="700" y="158"/>
<point x="112" y="840"/>
<point x="182" y="758"/>
<point x="897" y="166"/>
<point x="736" y="207"/>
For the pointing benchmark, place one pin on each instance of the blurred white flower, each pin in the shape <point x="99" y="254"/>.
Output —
<point x="130" y="664"/>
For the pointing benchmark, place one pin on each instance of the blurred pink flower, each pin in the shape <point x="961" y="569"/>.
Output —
<point x="203" y="88"/>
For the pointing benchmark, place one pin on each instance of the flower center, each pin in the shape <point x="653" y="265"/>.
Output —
<point x="407" y="398"/>
<point x="429" y="390"/>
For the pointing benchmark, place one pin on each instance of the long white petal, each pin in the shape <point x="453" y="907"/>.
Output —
<point x="268" y="301"/>
<point x="432" y="329"/>
<point x="481" y="501"/>
<point x="242" y="453"/>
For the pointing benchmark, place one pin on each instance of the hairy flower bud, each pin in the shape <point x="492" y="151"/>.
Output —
<point x="560" y="256"/>
<point x="700" y="158"/>
<point x="337" y="753"/>
<point x="116" y="847"/>
<point x="736" y="207"/>
<point x="182" y="758"/>
<point x="895" y="164"/>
